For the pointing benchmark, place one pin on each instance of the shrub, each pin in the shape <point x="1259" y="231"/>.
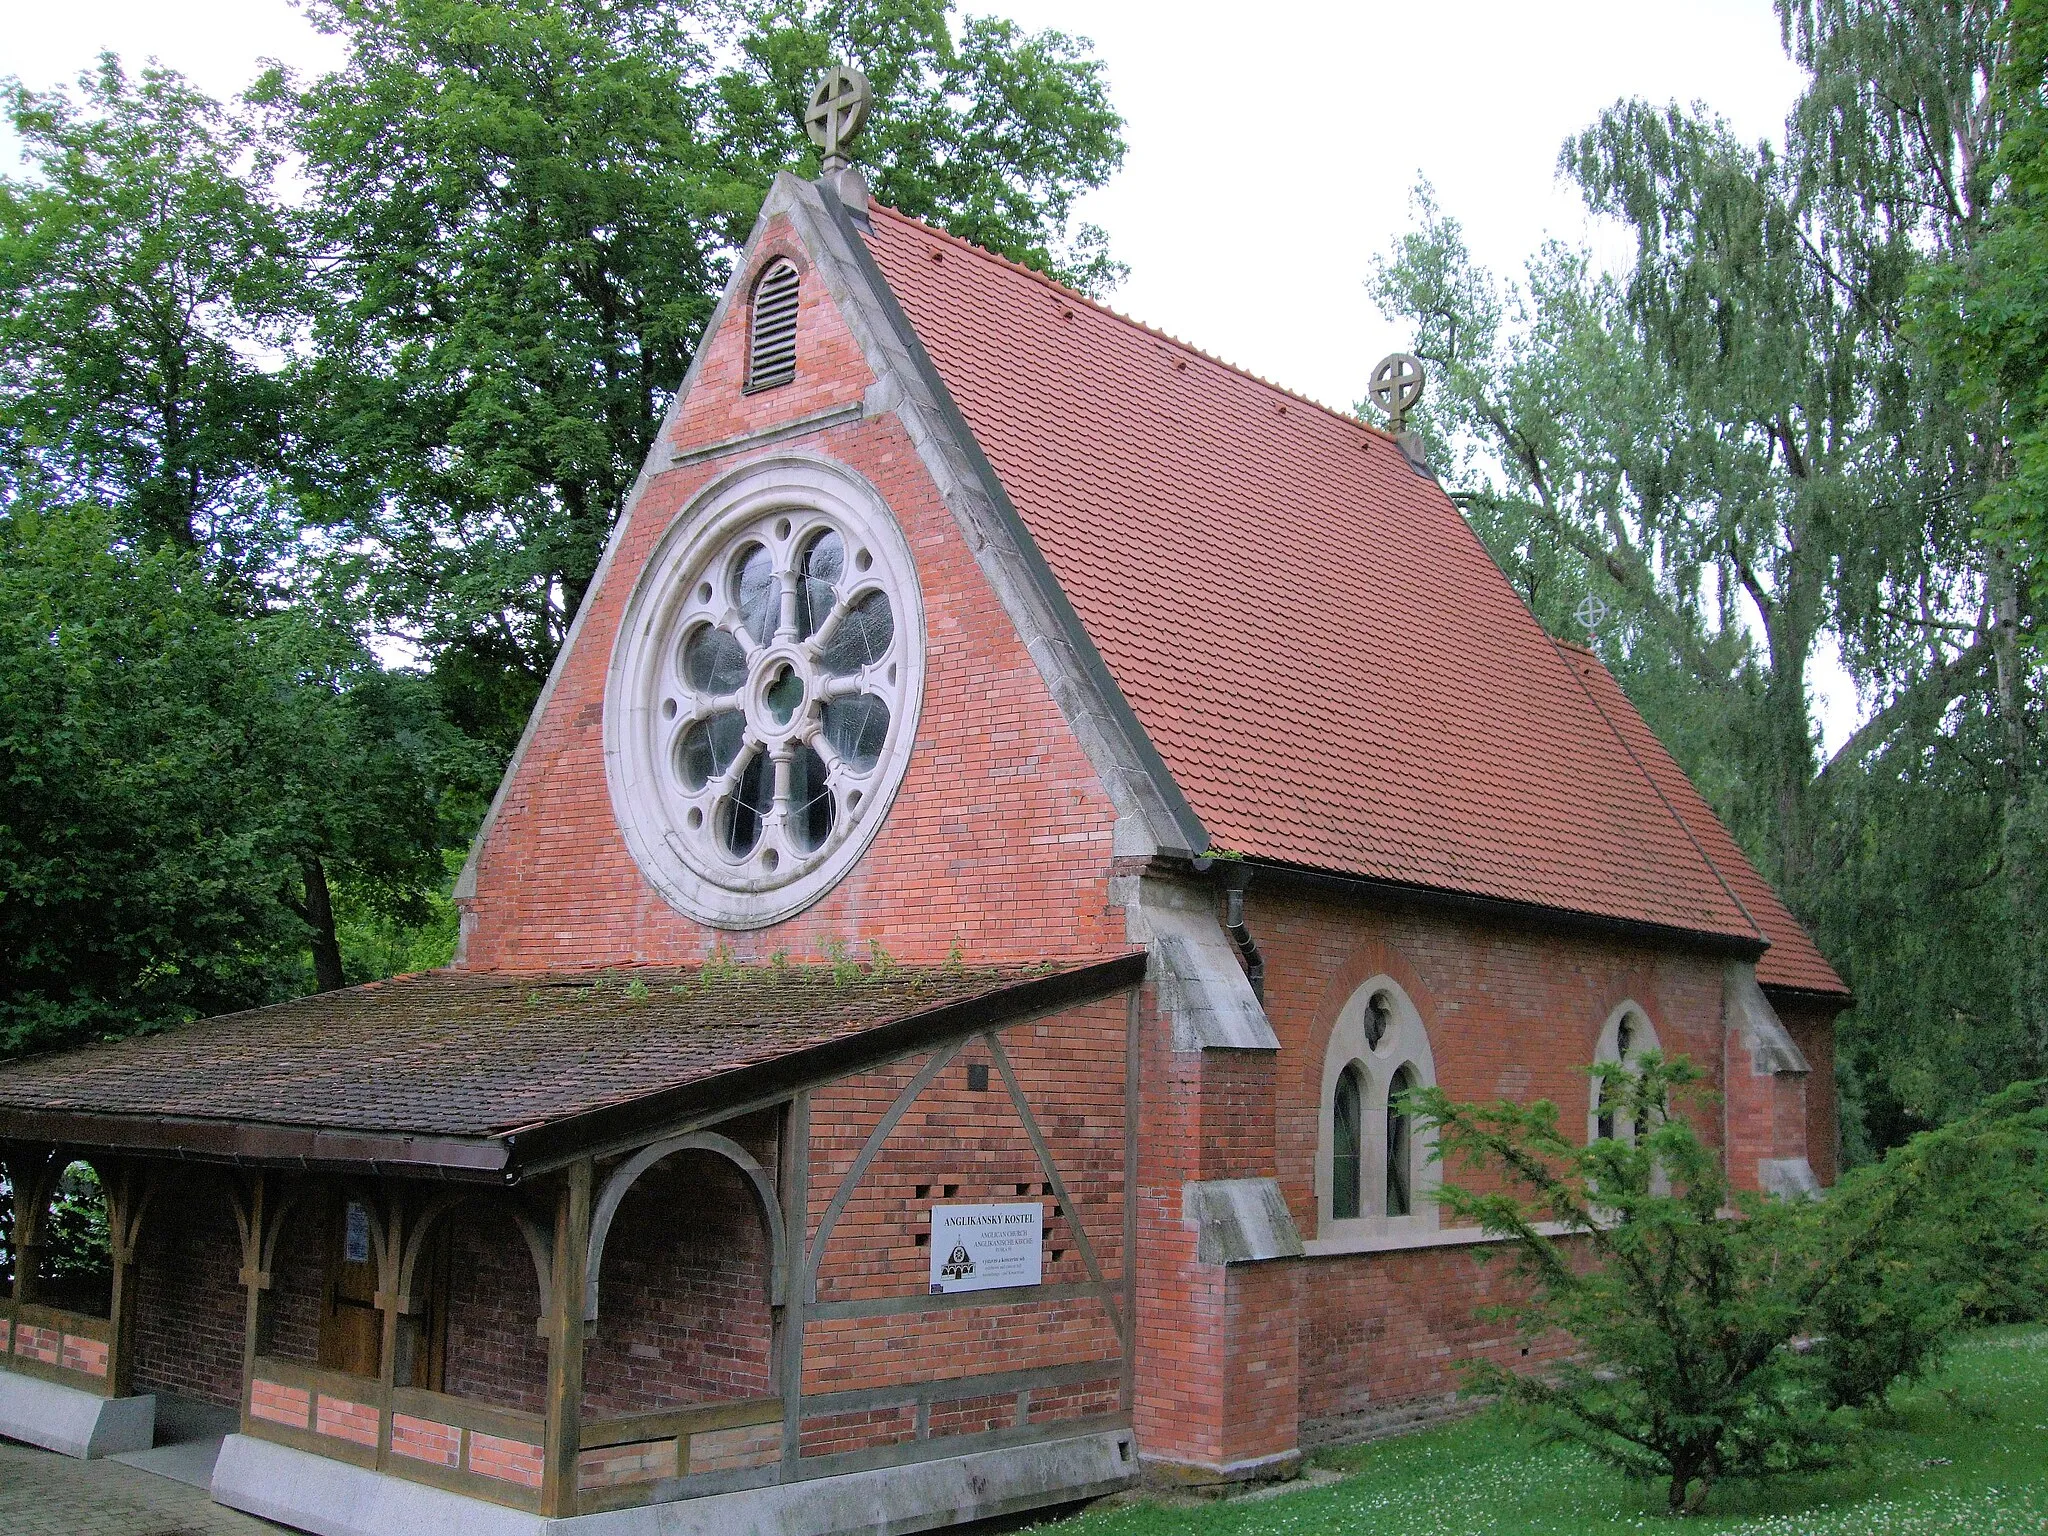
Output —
<point x="1732" y="1335"/>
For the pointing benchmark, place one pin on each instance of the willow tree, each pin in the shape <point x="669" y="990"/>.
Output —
<point x="1744" y="443"/>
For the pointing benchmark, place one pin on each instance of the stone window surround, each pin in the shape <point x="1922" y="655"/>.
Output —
<point x="682" y="862"/>
<point x="1406" y="1043"/>
<point x="1642" y="1037"/>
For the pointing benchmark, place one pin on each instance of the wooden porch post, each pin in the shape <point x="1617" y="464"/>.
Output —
<point x="256" y="1220"/>
<point x="393" y="1305"/>
<point x="127" y="1192"/>
<point x="564" y="1431"/>
<point x="793" y="1176"/>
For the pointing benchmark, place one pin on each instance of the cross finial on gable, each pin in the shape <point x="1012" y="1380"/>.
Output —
<point x="839" y="105"/>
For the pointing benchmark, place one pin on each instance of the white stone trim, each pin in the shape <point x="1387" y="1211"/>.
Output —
<point x="783" y="499"/>
<point x="1405" y="1043"/>
<point x="1399" y="1242"/>
<point x="1643" y="1037"/>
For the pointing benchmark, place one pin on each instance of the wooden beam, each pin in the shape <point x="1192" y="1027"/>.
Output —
<point x="127" y="1192"/>
<point x="793" y="1177"/>
<point x="917" y="1085"/>
<point x="393" y="1304"/>
<point x="1059" y="1186"/>
<point x="253" y="1216"/>
<point x="563" y="1435"/>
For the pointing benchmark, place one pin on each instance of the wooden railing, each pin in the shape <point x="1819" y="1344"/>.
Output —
<point x="426" y="1437"/>
<point x="70" y="1348"/>
<point x="622" y="1461"/>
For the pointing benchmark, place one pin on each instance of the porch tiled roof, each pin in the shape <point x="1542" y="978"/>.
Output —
<point x="452" y="1057"/>
<point x="1323" y="653"/>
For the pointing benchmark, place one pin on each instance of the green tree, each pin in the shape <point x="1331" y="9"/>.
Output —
<point x="180" y="784"/>
<point x="526" y="211"/>
<point x="1987" y="310"/>
<point x="1744" y="444"/>
<point x="148" y="286"/>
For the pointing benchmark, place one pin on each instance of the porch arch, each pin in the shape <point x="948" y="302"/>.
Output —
<point x="628" y="1173"/>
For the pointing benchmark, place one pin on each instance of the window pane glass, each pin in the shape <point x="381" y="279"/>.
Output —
<point x="861" y="637"/>
<point x="1398" y="1152"/>
<point x="753" y="592"/>
<point x="1346" y="1147"/>
<point x="742" y="812"/>
<point x="714" y="662"/>
<point x="709" y="746"/>
<point x="857" y="727"/>
<point x="818" y="582"/>
<point x="810" y="801"/>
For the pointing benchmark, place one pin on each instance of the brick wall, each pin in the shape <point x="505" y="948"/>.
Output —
<point x="189" y="1300"/>
<point x="965" y="1146"/>
<point x="999" y="839"/>
<point x="1391" y="1328"/>
<point x="1510" y="1013"/>
<point x="495" y="1355"/>
<point x="298" y="1279"/>
<point x="1812" y="1026"/>
<point x="683" y="1293"/>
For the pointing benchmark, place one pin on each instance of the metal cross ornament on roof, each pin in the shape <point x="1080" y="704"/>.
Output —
<point x="838" y="107"/>
<point x="1592" y="613"/>
<point x="1395" y="386"/>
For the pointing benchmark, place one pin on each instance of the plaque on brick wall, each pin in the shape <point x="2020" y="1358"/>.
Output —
<point x="980" y="1247"/>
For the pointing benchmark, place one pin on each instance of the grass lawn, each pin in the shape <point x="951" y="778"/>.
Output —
<point x="1965" y="1453"/>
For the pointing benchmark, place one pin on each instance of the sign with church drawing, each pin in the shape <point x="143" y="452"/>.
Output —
<point x="980" y="1247"/>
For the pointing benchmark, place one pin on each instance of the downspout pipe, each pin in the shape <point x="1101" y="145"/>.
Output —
<point x="1235" y="875"/>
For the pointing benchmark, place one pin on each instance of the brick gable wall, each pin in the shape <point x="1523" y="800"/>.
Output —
<point x="998" y="840"/>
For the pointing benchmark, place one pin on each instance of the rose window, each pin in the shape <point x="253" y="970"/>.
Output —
<point x="771" y="679"/>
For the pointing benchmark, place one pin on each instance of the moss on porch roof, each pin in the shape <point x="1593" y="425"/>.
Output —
<point x="473" y="1074"/>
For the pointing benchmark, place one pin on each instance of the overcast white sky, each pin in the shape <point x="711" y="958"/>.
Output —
<point x="1271" y="147"/>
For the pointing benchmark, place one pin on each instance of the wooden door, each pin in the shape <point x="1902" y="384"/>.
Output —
<point x="423" y="1337"/>
<point x="351" y="1327"/>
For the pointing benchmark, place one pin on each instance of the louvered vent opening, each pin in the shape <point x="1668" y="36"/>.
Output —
<point x="773" y="359"/>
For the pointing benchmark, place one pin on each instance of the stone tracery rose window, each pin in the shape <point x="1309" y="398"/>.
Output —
<point x="763" y="692"/>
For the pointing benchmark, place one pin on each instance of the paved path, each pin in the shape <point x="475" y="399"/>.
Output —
<point x="44" y="1494"/>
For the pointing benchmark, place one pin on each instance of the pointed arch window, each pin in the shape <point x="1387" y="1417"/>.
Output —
<point x="1373" y="1170"/>
<point x="1627" y="1035"/>
<point x="771" y="353"/>
<point x="1400" y="1146"/>
<point x="1347" y="1143"/>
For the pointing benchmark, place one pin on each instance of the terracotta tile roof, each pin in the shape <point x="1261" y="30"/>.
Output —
<point x="465" y="1055"/>
<point x="1322" y="651"/>
<point x="1793" y="960"/>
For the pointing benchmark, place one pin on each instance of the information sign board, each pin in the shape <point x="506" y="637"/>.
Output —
<point x="980" y="1247"/>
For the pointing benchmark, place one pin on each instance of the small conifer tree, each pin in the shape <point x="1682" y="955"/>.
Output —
<point x="1729" y="1335"/>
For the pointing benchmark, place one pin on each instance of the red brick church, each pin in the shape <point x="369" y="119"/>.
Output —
<point x="1020" y="801"/>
